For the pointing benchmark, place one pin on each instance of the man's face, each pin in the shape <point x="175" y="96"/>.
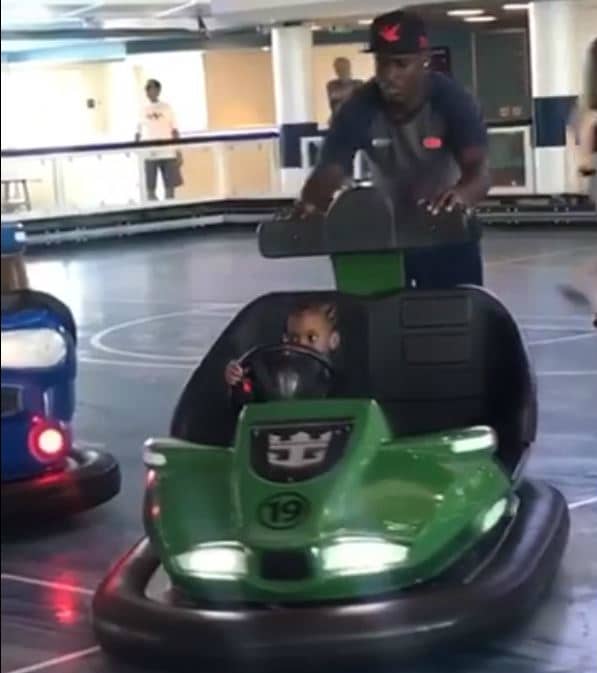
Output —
<point x="342" y="68"/>
<point x="400" y="76"/>
<point x="153" y="92"/>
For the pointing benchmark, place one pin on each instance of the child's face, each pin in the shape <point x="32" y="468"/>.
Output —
<point x="312" y="329"/>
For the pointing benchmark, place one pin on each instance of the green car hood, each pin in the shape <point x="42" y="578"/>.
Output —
<point x="309" y="489"/>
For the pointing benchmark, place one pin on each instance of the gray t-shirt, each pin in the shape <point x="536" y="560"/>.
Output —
<point x="415" y="159"/>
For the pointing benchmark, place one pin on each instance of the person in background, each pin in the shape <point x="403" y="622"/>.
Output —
<point x="426" y="142"/>
<point x="159" y="123"/>
<point x="584" y="286"/>
<point x="341" y="89"/>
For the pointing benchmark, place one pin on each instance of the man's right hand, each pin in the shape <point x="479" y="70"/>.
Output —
<point x="303" y="210"/>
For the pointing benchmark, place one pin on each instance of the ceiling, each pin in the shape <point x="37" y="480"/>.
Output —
<point x="40" y="24"/>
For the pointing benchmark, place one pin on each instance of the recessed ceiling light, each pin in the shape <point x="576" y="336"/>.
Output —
<point x="480" y="19"/>
<point x="516" y="6"/>
<point x="265" y="48"/>
<point x="465" y="12"/>
<point x="365" y="22"/>
<point x="316" y="27"/>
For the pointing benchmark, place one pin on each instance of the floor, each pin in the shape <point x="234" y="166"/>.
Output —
<point x="149" y="308"/>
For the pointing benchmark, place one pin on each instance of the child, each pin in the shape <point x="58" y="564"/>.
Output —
<point x="312" y="325"/>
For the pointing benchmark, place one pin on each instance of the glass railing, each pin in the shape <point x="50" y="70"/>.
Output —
<point x="51" y="182"/>
<point x="54" y="181"/>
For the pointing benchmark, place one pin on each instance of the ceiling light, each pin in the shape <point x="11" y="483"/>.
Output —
<point x="365" y="22"/>
<point x="316" y="27"/>
<point x="480" y="19"/>
<point x="265" y="48"/>
<point x="516" y="6"/>
<point x="465" y="12"/>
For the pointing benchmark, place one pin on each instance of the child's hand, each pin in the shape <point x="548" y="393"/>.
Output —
<point x="233" y="373"/>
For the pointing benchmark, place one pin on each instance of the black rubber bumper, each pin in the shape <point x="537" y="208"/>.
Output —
<point x="90" y="479"/>
<point x="130" y="625"/>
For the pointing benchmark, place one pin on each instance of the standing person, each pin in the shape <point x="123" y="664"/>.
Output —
<point x="158" y="123"/>
<point x="584" y="285"/>
<point x="341" y="89"/>
<point x="425" y="140"/>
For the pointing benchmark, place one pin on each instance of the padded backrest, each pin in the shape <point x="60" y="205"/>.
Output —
<point x="433" y="360"/>
<point x="449" y="359"/>
<point x="23" y="300"/>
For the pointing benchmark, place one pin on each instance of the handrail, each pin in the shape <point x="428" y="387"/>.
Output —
<point x="199" y="139"/>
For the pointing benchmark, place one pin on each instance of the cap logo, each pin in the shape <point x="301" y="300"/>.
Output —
<point x="391" y="33"/>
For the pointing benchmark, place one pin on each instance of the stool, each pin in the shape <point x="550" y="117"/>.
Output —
<point x="15" y="195"/>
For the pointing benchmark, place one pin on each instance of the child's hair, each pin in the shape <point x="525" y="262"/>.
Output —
<point x="327" y="309"/>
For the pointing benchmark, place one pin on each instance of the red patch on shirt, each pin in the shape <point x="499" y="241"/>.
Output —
<point x="433" y="143"/>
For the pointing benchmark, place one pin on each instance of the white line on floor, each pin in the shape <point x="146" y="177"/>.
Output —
<point x="583" y="503"/>
<point x="59" y="586"/>
<point x="551" y="317"/>
<point x="139" y="364"/>
<point x="84" y="444"/>
<point x="558" y="340"/>
<point x="552" y="328"/>
<point x="56" y="661"/>
<point x="96" y="340"/>
<point x="581" y="372"/>
<point x="540" y="255"/>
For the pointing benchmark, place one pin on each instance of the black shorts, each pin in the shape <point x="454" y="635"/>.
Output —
<point x="169" y="169"/>
<point x="444" y="266"/>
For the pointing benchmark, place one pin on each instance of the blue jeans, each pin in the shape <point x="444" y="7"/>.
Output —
<point x="444" y="266"/>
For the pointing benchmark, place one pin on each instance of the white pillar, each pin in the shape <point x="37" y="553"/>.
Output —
<point x="556" y="60"/>
<point x="293" y="89"/>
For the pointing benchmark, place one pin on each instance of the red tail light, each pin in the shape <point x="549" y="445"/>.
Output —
<point x="48" y="441"/>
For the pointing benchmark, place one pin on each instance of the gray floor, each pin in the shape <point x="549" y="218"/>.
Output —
<point x="148" y="309"/>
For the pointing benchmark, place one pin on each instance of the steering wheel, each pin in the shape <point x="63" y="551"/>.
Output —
<point x="283" y="372"/>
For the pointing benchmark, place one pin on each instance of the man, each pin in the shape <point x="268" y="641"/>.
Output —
<point x="158" y="123"/>
<point x="341" y="88"/>
<point x="425" y="139"/>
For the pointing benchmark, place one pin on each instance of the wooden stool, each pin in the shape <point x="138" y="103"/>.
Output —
<point x="15" y="195"/>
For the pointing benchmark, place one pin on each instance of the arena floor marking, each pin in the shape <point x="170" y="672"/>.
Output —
<point x="96" y="340"/>
<point x="556" y="372"/>
<point x="47" y="584"/>
<point x="564" y="339"/>
<point x="84" y="359"/>
<point x="583" y="503"/>
<point x="56" y="661"/>
<point x="539" y="255"/>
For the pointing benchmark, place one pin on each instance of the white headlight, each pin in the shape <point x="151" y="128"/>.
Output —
<point x="493" y="515"/>
<point x="32" y="348"/>
<point x="359" y="556"/>
<point x="224" y="561"/>
<point x="475" y="439"/>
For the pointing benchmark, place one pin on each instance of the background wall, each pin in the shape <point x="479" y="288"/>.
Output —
<point x="239" y="88"/>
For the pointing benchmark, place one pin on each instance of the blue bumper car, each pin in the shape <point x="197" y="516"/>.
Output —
<point x="43" y="474"/>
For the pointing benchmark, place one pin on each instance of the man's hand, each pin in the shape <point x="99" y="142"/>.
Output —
<point x="303" y="210"/>
<point x="448" y="201"/>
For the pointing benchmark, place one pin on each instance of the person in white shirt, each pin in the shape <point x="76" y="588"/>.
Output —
<point x="159" y="123"/>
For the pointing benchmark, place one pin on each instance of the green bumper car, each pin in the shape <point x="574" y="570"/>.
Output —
<point x="349" y="509"/>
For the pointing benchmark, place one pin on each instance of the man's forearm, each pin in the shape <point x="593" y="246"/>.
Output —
<point x="322" y="184"/>
<point x="475" y="182"/>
